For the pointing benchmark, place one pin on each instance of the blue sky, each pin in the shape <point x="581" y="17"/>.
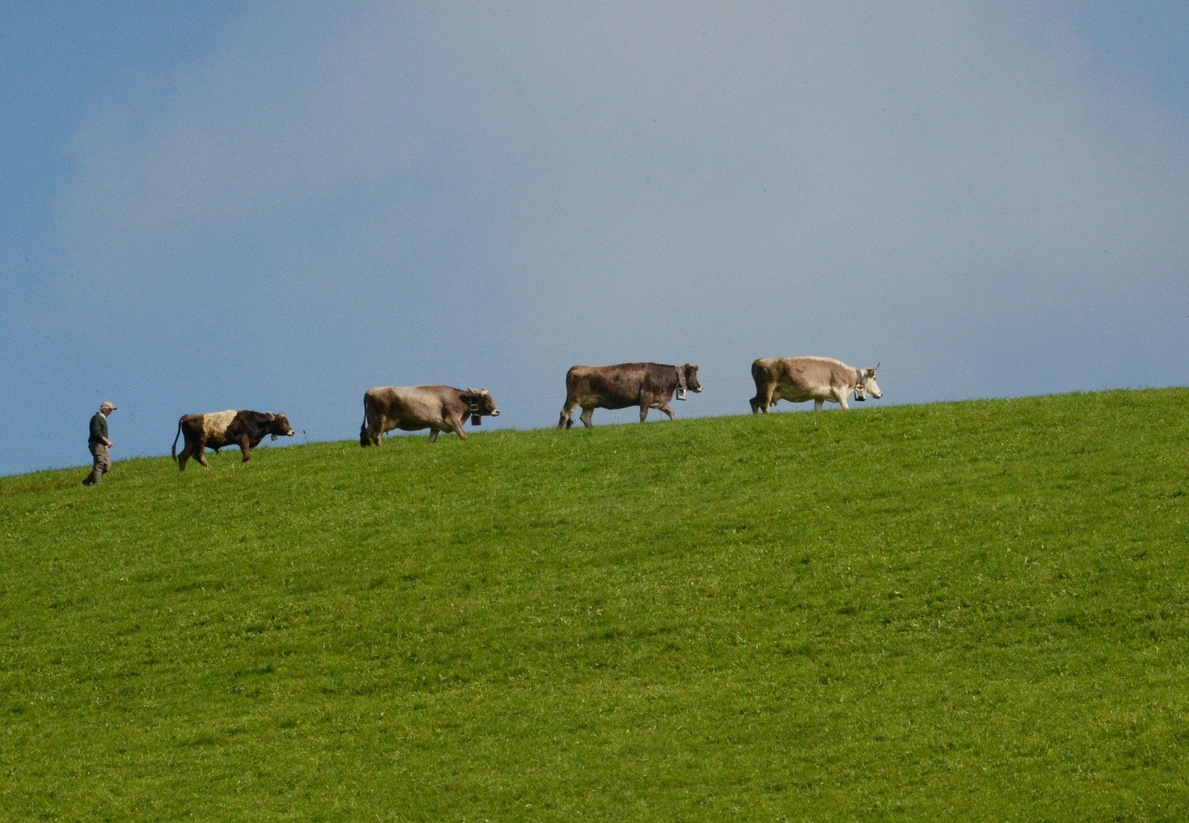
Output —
<point x="275" y="206"/>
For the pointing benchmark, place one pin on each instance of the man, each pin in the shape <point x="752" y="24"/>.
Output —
<point x="99" y="444"/>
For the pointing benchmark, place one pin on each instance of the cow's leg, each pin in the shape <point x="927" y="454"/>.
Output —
<point x="368" y="434"/>
<point x="762" y="400"/>
<point x="200" y="453"/>
<point x="817" y="404"/>
<point x="564" y="421"/>
<point x="187" y="450"/>
<point x="842" y="400"/>
<point x="587" y="412"/>
<point x="661" y="403"/>
<point x="245" y="448"/>
<point x="456" y="427"/>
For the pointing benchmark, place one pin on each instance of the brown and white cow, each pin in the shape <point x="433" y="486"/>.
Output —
<point x="412" y="408"/>
<point x="214" y="430"/>
<point x="647" y="385"/>
<point x="819" y="379"/>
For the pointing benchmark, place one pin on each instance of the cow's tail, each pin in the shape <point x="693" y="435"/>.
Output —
<point x="365" y="439"/>
<point x="173" y="450"/>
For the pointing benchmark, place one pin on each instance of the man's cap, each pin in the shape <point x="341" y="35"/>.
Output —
<point x="107" y="405"/>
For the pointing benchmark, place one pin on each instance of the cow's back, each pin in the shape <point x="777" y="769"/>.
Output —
<point x="411" y="403"/>
<point x="210" y="427"/>
<point x="814" y="371"/>
<point x="215" y="427"/>
<point x="800" y="378"/>
<point x="785" y="372"/>
<point x="614" y="386"/>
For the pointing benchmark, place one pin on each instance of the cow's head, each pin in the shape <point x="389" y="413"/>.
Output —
<point x="479" y="402"/>
<point x="687" y="378"/>
<point x="867" y="384"/>
<point x="278" y="425"/>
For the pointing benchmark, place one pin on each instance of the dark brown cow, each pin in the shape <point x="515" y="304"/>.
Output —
<point x="413" y="408"/>
<point x="647" y="385"/>
<point x="214" y="430"/>
<point x="819" y="379"/>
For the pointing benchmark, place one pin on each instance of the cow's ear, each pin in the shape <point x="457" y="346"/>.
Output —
<point x="270" y="415"/>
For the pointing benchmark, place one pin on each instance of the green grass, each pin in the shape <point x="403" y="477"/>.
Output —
<point x="945" y="612"/>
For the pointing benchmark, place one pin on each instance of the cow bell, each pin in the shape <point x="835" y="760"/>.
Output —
<point x="860" y="394"/>
<point x="681" y="386"/>
<point x="476" y="419"/>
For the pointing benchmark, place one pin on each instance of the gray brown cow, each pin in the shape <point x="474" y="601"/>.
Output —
<point x="214" y="430"/>
<point x="647" y="385"/>
<point x="819" y="379"/>
<point x="412" y="408"/>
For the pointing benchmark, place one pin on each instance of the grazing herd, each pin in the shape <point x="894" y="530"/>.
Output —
<point x="445" y="409"/>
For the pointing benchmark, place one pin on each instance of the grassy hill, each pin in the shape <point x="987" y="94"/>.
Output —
<point x="954" y="611"/>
